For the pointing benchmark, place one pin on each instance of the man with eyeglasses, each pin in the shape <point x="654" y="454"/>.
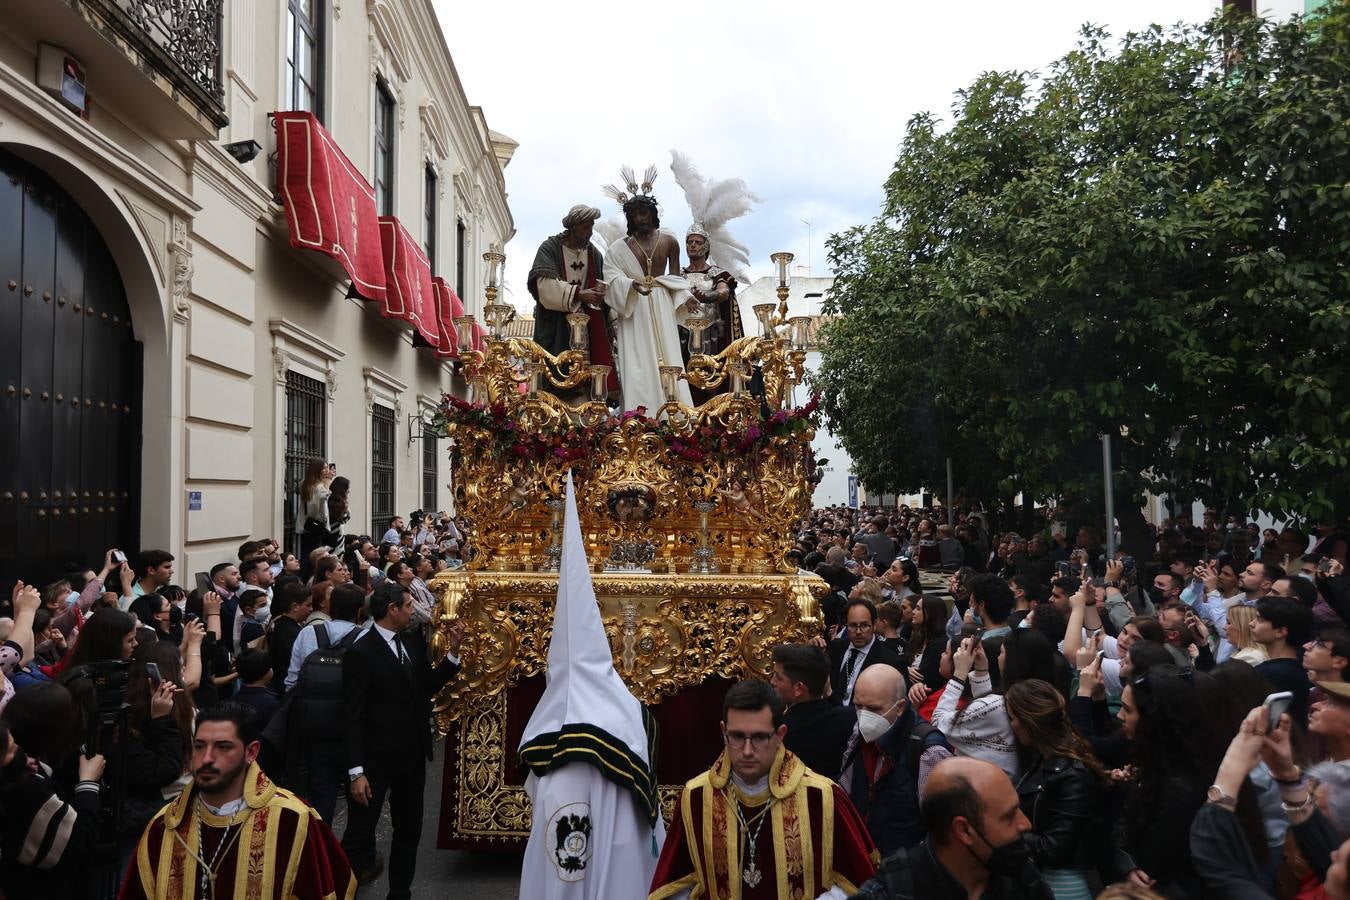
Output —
<point x="1326" y="656"/>
<point x="859" y="648"/>
<point x="758" y="809"/>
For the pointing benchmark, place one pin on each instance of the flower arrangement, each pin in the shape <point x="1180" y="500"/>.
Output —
<point x="577" y="444"/>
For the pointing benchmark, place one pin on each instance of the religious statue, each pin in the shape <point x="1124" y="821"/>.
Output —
<point x="568" y="276"/>
<point x="712" y="292"/>
<point x="712" y="203"/>
<point x="648" y="294"/>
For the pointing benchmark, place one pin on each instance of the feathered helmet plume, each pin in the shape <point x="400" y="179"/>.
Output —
<point x="634" y="190"/>
<point x="713" y="203"/>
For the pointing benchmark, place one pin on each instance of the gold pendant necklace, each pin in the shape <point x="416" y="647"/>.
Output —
<point x="649" y="281"/>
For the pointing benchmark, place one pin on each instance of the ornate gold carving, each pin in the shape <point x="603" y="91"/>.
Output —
<point x="666" y="633"/>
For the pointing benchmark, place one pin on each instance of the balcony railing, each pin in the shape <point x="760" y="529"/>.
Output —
<point x="179" y="39"/>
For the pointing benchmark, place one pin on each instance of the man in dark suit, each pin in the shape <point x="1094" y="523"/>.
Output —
<point x="817" y="730"/>
<point x="859" y="648"/>
<point x="388" y="685"/>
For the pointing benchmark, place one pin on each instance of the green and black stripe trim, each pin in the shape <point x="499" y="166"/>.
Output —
<point x="609" y="755"/>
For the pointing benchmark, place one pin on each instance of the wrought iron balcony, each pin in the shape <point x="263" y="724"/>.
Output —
<point x="175" y="42"/>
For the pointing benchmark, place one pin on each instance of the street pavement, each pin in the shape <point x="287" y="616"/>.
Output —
<point x="448" y="874"/>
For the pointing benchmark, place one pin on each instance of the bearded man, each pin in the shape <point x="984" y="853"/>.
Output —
<point x="234" y="833"/>
<point x="759" y="823"/>
<point x="568" y="276"/>
<point x="649" y="296"/>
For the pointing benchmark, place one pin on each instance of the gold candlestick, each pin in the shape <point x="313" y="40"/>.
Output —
<point x="781" y="260"/>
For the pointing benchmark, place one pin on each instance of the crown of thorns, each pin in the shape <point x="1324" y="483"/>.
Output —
<point x="634" y="190"/>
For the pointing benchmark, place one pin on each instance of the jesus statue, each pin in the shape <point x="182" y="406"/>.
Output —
<point x="649" y="297"/>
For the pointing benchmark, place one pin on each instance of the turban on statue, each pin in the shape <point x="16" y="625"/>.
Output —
<point x="579" y="214"/>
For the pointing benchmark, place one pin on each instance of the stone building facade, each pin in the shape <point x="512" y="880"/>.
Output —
<point x="147" y="277"/>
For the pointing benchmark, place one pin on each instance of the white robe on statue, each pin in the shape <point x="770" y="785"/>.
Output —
<point x="647" y="328"/>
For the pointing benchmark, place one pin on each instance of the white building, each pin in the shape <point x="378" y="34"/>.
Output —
<point x="805" y="295"/>
<point x="169" y="362"/>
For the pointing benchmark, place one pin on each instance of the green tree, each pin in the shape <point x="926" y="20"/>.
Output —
<point x="1153" y="237"/>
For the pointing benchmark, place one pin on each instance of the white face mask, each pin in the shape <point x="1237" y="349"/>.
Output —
<point x="873" y="725"/>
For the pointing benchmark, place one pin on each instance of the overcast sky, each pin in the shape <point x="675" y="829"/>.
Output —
<point x="806" y="102"/>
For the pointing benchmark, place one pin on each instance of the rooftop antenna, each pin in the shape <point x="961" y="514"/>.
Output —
<point x="808" y="245"/>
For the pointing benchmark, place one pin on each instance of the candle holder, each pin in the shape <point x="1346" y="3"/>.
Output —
<point x="782" y="259"/>
<point x="494" y="259"/>
<point x="703" y="564"/>
<point x="553" y="556"/>
<point x="670" y="381"/>
<point x="579" y="325"/>
<point x="696" y="325"/>
<point x="801" y="330"/>
<point x="764" y="312"/>
<point x="599" y="383"/>
<point x="499" y="316"/>
<point x="534" y="372"/>
<point x="464" y="332"/>
<point x="739" y="375"/>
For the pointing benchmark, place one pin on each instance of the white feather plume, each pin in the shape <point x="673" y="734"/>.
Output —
<point x="607" y="231"/>
<point x="713" y="203"/>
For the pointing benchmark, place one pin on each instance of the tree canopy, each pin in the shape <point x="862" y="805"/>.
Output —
<point x="1151" y="239"/>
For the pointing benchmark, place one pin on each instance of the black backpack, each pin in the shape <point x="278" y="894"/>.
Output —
<point x="318" y="688"/>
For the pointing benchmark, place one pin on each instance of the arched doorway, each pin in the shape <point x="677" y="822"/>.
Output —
<point x="70" y="386"/>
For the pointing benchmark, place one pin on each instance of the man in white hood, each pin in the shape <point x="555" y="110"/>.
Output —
<point x="590" y="747"/>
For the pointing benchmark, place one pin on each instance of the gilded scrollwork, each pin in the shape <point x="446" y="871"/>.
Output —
<point x="486" y="805"/>
<point x="666" y="633"/>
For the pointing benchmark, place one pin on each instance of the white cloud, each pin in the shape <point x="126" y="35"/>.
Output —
<point x="806" y="102"/>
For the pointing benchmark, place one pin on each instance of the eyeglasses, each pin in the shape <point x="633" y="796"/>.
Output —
<point x="860" y="626"/>
<point x="759" y="740"/>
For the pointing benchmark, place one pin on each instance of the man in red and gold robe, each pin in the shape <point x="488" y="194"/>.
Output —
<point x="759" y="823"/>
<point x="234" y="833"/>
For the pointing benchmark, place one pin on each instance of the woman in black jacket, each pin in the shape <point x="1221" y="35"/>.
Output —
<point x="1062" y="788"/>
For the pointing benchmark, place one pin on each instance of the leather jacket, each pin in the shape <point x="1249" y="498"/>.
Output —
<point x="1065" y="803"/>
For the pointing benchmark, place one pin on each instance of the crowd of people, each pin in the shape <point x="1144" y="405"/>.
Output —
<point x="307" y="672"/>
<point x="1174" y="726"/>
<point x="1001" y="716"/>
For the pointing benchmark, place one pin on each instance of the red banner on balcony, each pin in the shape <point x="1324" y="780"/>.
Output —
<point x="449" y="306"/>
<point x="330" y="206"/>
<point x="408" y="294"/>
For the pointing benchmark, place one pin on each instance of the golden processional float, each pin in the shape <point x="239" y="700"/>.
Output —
<point x="686" y="515"/>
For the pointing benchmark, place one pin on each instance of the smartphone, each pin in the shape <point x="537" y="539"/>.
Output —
<point x="1101" y="655"/>
<point x="1325" y="565"/>
<point x="1277" y="705"/>
<point x="204" y="585"/>
<point x="1063" y="570"/>
<point x="152" y="672"/>
<point x="332" y="467"/>
<point x="119" y="556"/>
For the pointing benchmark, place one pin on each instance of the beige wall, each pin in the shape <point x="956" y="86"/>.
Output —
<point x="221" y="302"/>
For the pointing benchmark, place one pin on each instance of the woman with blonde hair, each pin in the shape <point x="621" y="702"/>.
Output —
<point x="1240" y="620"/>
<point x="1062" y="788"/>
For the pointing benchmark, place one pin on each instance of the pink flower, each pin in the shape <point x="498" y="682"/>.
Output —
<point x="778" y="418"/>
